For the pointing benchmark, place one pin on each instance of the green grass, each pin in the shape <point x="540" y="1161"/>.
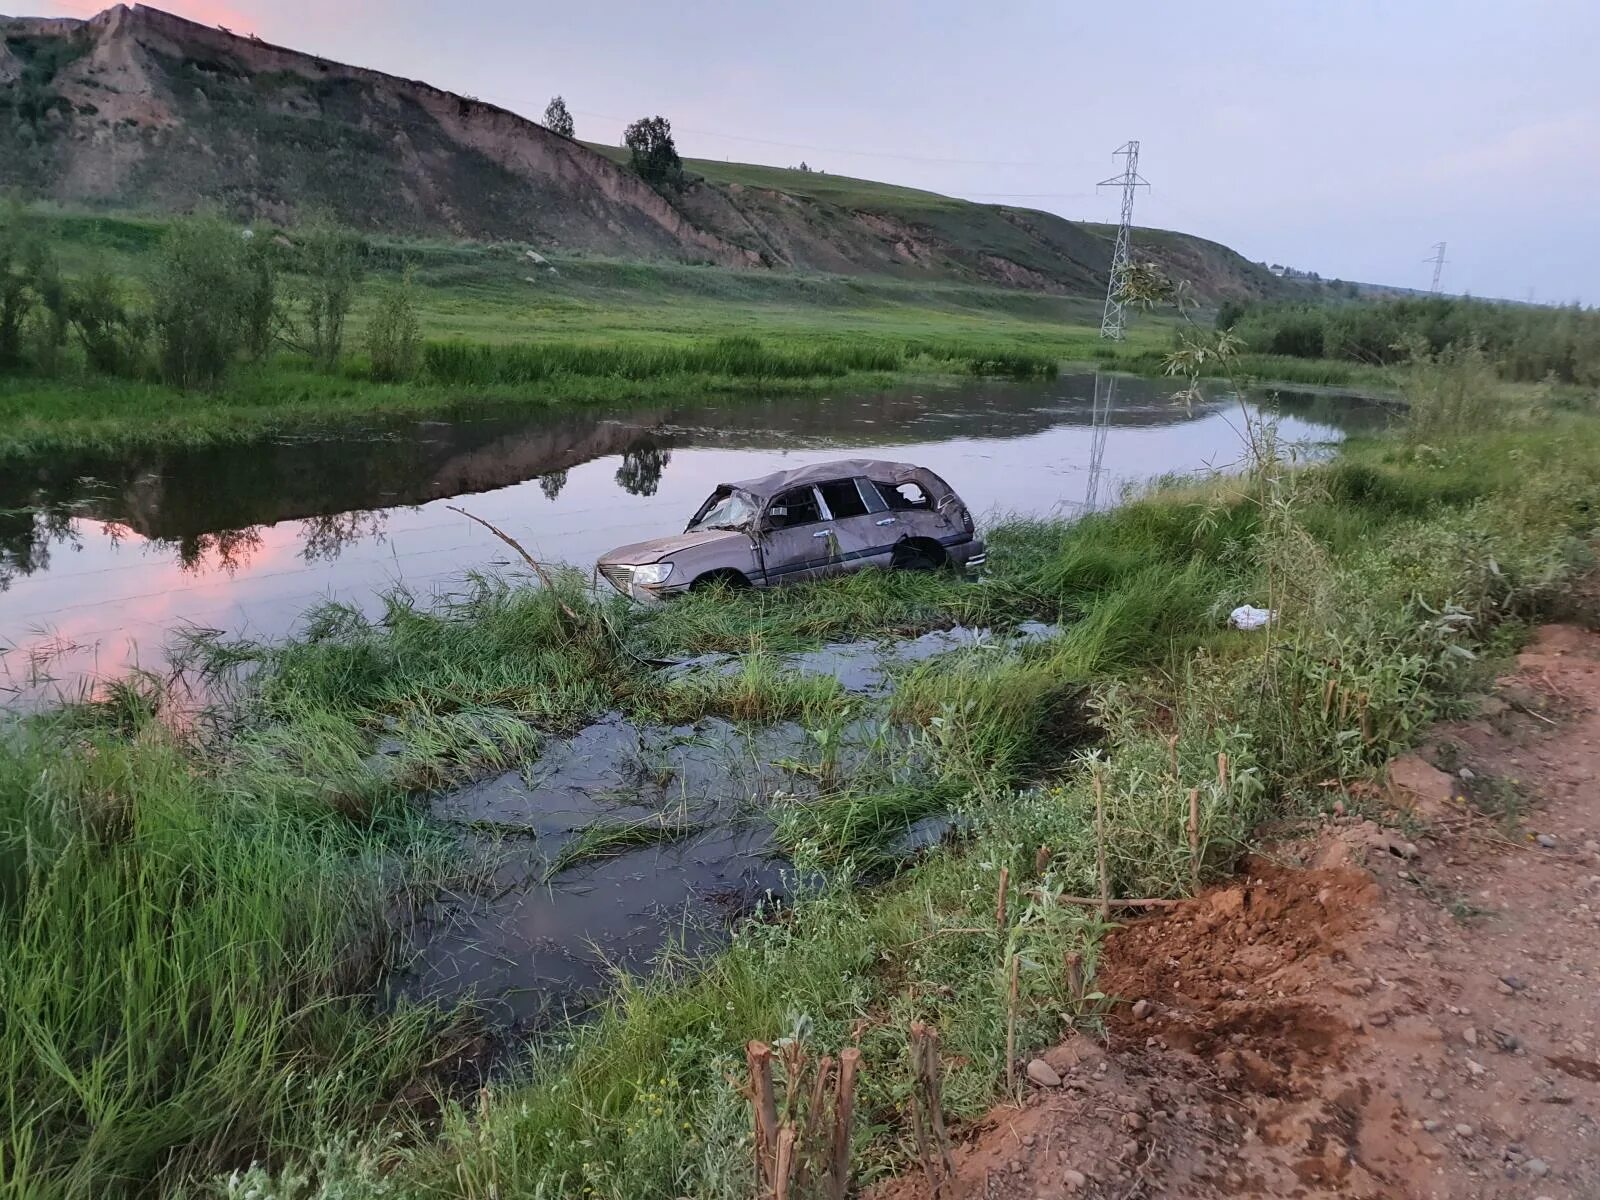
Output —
<point x="194" y="925"/>
<point x="603" y="840"/>
<point x="506" y="333"/>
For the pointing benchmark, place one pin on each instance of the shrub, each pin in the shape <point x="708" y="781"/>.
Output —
<point x="111" y="333"/>
<point x="196" y="309"/>
<point x="331" y="264"/>
<point x="21" y="260"/>
<point x="394" y="334"/>
<point x="258" y="304"/>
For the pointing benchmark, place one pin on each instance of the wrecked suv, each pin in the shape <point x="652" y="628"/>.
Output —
<point x="808" y="523"/>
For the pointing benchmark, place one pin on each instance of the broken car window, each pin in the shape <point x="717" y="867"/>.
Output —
<point x="725" y="510"/>
<point x="798" y="506"/>
<point x="842" y="499"/>
<point x="903" y="496"/>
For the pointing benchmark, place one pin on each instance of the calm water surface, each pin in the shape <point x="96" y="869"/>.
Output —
<point x="101" y="558"/>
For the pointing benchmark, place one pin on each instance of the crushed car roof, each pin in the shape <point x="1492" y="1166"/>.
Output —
<point x="842" y="468"/>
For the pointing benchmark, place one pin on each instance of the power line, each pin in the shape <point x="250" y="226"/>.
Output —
<point x="1121" y="259"/>
<point x="734" y="137"/>
<point x="1028" y="195"/>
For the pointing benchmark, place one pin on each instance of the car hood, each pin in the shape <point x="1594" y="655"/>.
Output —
<point x="656" y="549"/>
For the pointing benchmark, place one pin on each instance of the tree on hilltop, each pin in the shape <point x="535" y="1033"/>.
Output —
<point x="557" y="119"/>
<point x="655" y="156"/>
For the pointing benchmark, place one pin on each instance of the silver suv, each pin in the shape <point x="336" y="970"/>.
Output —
<point x="805" y="524"/>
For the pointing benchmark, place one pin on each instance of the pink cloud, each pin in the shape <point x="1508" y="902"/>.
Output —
<point x="207" y="12"/>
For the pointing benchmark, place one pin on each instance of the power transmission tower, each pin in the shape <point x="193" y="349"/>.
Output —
<point x="1438" y="260"/>
<point x="1129" y="181"/>
<point x="1105" y="391"/>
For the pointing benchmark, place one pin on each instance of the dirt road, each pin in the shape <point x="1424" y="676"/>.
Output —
<point x="1370" y="1010"/>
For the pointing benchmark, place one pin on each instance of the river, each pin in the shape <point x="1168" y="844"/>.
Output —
<point x="104" y="557"/>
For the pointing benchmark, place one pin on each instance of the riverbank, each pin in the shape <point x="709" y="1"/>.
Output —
<point x="502" y="332"/>
<point x="221" y="898"/>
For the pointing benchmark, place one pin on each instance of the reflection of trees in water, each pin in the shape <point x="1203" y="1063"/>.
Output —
<point x="551" y="483"/>
<point x="324" y="538"/>
<point x="231" y="548"/>
<point x="26" y="536"/>
<point x="640" y="472"/>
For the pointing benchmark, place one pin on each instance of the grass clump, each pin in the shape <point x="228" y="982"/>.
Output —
<point x="186" y="965"/>
<point x="606" y="839"/>
<point x="760" y="690"/>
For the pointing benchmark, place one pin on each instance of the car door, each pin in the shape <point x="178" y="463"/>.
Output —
<point x="911" y="504"/>
<point x="864" y="530"/>
<point x="795" y="541"/>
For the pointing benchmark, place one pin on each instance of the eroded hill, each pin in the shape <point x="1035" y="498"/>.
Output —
<point x="136" y="108"/>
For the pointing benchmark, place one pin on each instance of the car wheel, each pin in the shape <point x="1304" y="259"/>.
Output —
<point x="732" y="580"/>
<point x="914" y="556"/>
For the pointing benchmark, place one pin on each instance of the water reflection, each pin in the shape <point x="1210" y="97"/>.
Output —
<point x="104" y="552"/>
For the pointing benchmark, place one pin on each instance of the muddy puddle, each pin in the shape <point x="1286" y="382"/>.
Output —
<point x="866" y="667"/>
<point x="628" y="839"/>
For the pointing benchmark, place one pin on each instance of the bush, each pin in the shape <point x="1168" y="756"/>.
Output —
<point x="112" y="335"/>
<point x="22" y="259"/>
<point x="1524" y="342"/>
<point x="197" y="302"/>
<point x="331" y="261"/>
<point x="394" y="334"/>
<point x="258" y="305"/>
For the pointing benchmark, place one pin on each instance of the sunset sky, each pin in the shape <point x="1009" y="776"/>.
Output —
<point x="1344" y="138"/>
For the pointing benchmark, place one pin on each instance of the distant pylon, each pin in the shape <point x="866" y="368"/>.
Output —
<point x="1129" y="181"/>
<point x="1438" y="260"/>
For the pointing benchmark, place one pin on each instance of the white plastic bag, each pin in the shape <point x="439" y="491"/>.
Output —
<point x="1247" y="617"/>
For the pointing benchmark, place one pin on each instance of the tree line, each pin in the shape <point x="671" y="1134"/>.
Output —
<point x="1528" y="343"/>
<point x="217" y="296"/>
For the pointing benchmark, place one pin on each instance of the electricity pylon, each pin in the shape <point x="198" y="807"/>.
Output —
<point x="1130" y="182"/>
<point x="1438" y="260"/>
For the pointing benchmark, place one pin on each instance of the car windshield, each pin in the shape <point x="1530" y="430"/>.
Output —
<point x="729" y="511"/>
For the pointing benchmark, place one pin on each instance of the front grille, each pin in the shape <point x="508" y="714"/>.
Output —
<point x="620" y="578"/>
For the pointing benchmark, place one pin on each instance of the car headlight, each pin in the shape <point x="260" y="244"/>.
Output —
<point x="652" y="574"/>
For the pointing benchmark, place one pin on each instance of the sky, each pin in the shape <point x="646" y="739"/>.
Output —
<point x="1340" y="136"/>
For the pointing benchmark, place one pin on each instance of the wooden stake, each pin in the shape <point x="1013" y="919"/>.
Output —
<point x="1041" y="860"/>
<point x="1194" y="840"/>
<point x="1075" y="980"/>
<point x="758" y="1057"/>
<point x="1100" y="844"/>
<point x="1011" y="1026"/>
<point x="785" y="1165"/>
<point x="1000" y="901"/>
<point x="844" y="1110"/>
<point x="921" y="1124"/>
<point x="935" y="1073"/>
<point x="1222" y="770"/>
